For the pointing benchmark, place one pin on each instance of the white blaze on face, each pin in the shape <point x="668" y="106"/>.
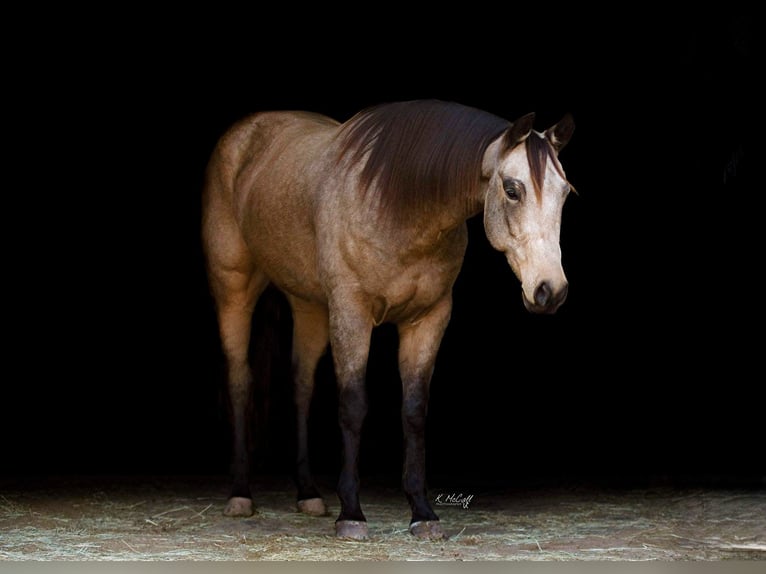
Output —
<point x="526" y="227"/>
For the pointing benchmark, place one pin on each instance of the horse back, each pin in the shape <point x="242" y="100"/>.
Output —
<point x="267" y="140"/>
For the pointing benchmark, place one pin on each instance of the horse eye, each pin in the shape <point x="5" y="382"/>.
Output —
<point x="511" y="188"/>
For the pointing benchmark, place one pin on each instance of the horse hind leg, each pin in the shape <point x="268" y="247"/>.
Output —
<point x="310" y="340"/>
<point x="236" y="294"/>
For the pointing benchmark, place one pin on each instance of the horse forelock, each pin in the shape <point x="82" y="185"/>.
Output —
<point x="419" y="153"/>
<point x="538" y="152"/>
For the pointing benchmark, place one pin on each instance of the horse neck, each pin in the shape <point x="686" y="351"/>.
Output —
<point x="457" y="211"/>
<point x="439" y="222"/>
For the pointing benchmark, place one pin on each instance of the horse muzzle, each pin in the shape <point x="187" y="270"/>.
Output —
<point x="546" y="298"/>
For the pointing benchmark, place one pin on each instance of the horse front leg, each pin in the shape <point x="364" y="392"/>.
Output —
<point x="418" y="347"/>
<point x="350" y="331"/>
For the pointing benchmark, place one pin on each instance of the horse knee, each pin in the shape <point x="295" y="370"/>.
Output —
<point x="352" y="407"/>
<point x="414" y="415"/>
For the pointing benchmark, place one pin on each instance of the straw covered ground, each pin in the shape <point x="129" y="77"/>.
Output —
<point x="181" y="519"/>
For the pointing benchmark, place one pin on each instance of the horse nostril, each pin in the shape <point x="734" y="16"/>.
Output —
<point x="543" y="294"/>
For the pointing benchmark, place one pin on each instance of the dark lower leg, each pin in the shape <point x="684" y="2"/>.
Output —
<point x="240" y="463"/>
<point x="240" y="500"/>
<point x="239" y="396"/>
<point x="304" y="479"/>
<point x="352" y="411"/>
<point x="414" y="407"/>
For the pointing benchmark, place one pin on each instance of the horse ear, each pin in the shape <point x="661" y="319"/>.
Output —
<point x="519" y="131"/>
<point x="560" y="133"/>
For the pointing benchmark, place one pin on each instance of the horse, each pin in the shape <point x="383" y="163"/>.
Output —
<point x="363" y="222"/>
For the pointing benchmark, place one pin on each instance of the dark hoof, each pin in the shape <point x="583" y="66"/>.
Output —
<point x="239" y="506"/>
<point x="351" y="529"/>
<point x="427" y="529"/>
<point x="312" y="507"/>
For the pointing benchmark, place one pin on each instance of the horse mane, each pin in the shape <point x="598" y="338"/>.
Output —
<point x="421" y="152"/>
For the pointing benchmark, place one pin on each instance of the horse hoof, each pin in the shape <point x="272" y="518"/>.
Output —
<point x="351" y="529"/>
<point x="428" y="529"/>
<point x="312" y="507"/>
<point x="239" y="506"/>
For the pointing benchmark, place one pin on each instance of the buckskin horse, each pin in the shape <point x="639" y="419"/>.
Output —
<point x="361" y="223"/>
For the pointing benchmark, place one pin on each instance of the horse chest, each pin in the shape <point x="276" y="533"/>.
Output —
<point x="408" y="291"/>
<point x="400" y="285"/>
<point x="408" y="297"/>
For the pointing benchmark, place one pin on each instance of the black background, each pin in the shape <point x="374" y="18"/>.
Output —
<point x="651" y="370"/>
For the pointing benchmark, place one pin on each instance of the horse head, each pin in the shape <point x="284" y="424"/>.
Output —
<point x="525" y="195"/>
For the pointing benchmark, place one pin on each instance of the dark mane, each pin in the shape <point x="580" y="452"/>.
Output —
<point x="421" y="152"/>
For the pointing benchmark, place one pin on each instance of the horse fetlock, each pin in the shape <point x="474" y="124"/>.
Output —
<point x="351" y="529"/>
<point x="239" y="506"/>
<point x="427" y="529"/>
<point x="312" y="507"/>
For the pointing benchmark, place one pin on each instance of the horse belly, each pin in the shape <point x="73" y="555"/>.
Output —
<point x="294" y="273"/>
<point x="285" y="252"/>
